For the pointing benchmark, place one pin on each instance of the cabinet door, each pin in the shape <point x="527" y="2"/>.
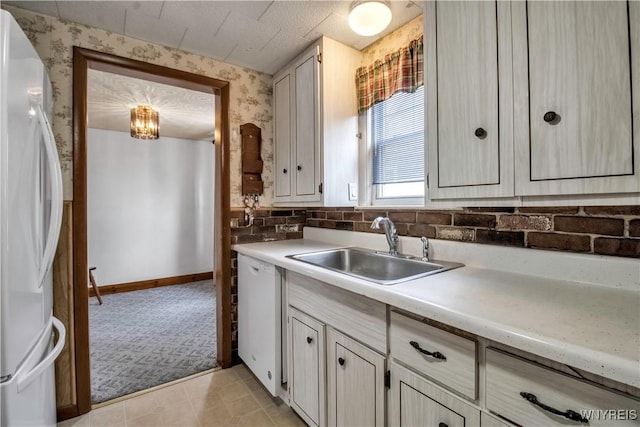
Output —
<point x="282" y="133"/>
<point x="355" y="388"/>
<point x="307" y="110"/>
<point x="488" y="420"/>
<point x="468" y="125"/>
<point x="416" y="402"/>
<point x="580" y="113"/>
<point x="307" y="374"/>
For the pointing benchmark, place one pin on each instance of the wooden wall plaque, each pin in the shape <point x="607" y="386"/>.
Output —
<point x="251" y="161"/>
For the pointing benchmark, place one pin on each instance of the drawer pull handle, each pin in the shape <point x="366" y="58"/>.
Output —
<point x="435" y="354"/>
<point x="309" y="340"/>
<point x="341" y="361"/>
<point x="568" y="414"/>
<point x="443" y="425"/>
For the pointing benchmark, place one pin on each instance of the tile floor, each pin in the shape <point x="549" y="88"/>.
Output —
<point x="229" y="397"/>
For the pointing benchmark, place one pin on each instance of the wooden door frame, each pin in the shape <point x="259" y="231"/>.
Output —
<point x="83" y="60"/>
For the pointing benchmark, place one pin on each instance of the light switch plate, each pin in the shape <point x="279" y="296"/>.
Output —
<point x="286" y="228"/>
<point x="353" y="191"/>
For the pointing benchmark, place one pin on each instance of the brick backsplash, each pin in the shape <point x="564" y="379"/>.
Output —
<point x="607" y="230"/>
<point x="268" y="225"/>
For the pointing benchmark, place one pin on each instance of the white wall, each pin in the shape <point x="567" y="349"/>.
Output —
<point x="150" y="207"/>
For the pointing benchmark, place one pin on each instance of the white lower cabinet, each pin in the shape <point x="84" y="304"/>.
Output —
<point x="355" y="387"/>
<point x="307" y="364"/>
<point x="488" y="420"/>
<point x="529" y="394"/>
<point x="354" y="361"/>
<point x="414" y="401"/>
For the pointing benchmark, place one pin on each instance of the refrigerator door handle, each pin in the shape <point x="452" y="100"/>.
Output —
<point x="55" y="220"/>
<point x="24" y="380"/>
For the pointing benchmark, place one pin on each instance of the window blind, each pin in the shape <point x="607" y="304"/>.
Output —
<point x="397" y="129"/>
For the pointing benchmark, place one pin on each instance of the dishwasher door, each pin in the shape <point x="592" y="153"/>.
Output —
<point x="260" y="320"/>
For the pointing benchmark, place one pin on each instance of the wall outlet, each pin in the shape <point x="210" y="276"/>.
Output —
<point x="286" y="228"/>
<point x="353" y="191"/>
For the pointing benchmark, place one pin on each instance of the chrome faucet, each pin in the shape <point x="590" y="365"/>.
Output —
<point x="390" y="232"/>
<point x="425" y="249"/>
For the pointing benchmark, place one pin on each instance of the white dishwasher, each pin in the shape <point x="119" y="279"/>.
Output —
<point x="261" y="341"/>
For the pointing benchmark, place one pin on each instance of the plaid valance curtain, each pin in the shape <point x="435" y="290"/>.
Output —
<point x="400" y="71"/>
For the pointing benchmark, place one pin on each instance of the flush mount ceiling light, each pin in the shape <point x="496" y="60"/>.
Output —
<point x="145" y="123"/>
<point x="369" y="18"/>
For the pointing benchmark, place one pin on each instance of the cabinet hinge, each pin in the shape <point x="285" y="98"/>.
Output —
<point x="320" y="187"/>
<point x="387" y="379"/>
<point x="320" y="57"/>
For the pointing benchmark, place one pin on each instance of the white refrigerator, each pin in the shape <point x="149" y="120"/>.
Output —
<point x="30" y="218"/>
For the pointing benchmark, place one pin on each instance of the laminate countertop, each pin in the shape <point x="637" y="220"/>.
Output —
<point x="586" y="326"/>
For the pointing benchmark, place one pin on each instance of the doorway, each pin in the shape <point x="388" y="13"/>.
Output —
<point x="150" y="228"/>
<point x="85" y="60"/>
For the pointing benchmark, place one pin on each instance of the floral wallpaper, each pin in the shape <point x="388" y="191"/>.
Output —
<point x="250" y="91"/>
<point x="393" y="41"/>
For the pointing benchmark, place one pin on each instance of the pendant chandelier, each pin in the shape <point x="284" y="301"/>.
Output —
<point x="145" y="123"/>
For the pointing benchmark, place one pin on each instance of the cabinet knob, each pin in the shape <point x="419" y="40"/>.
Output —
<point x="299" y="167"/>
<point x="443" y="425"/>
<point x="309" y="340"/>
<point x="551" y="117"/>
<point x="284" y="171"/>
<point x="341" y="361"/>
<point x="480" y="133"/>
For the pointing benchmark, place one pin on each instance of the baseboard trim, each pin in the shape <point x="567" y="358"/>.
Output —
<point x="66" y="412"/>
<point x="153" y="283"/>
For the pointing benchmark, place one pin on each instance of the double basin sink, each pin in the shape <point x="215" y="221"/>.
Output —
<point x="377" y="267"/>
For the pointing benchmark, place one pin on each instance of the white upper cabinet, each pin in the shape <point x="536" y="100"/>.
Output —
<point x="575" y="118"/>
<point x="296" y="118"/>
<point x="316" y="126"/>
<point x="282" y="128"/>
<point x="468" y="96"/>
<point x="532" y="99"/>
<point x="306" y="125"/>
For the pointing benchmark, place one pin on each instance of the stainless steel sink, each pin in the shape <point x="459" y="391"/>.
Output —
<point x="377" y="267"/>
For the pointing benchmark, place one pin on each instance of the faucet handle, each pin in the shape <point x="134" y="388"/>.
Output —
<point x="425" y="248"/>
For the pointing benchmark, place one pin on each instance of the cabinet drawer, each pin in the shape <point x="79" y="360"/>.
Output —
<point x="509" y="377"/>
<point x="452" y="361"/>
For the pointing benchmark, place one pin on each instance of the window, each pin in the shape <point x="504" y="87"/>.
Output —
<point x="396" y="128"/>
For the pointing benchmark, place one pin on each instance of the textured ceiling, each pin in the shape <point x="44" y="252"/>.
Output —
<point x="184" y="113"/>
<point x="261" y="35"/>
